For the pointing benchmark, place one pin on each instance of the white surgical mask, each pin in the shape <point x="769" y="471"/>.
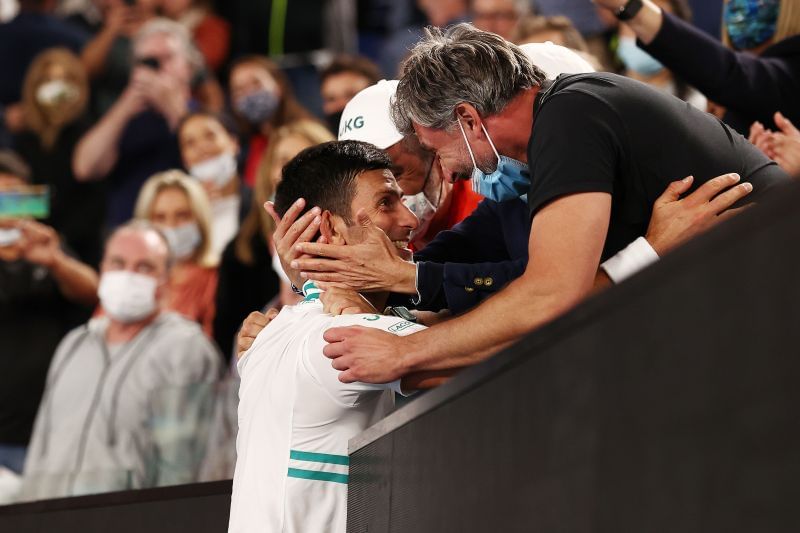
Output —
<point x="9" y="236"/>
<point x="55" y="92"/>
<point x="218" y="170"/>
<point x="127" y="296"/>
<point x="423" y="209"/>
<point x="183" y="240"/>
<point x="421" y="206"/>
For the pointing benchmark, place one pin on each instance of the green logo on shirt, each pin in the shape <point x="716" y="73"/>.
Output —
<point x="372" y="318"/>
<point x="400" y="326"/>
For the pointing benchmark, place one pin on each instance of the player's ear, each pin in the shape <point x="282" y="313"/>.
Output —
<point x="332" y="227"/>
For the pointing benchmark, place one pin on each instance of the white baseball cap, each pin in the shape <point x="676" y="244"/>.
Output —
<point x="366" y="117"/>
<point x="555" y="60"/>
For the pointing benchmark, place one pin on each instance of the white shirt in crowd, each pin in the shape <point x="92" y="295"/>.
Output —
<point x="295" y="420"/>
<point x="224" y="222"/>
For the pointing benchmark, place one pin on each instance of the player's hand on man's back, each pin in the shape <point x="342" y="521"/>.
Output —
<point x="251" y="327"/>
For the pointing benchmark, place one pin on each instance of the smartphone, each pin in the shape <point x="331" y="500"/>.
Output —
<point x="30" y="201"/>
<point x="150" y="62"/>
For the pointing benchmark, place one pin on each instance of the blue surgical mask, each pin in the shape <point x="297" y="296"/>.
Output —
<point x="636" y="59"/>
<point x="510" y="180"/>
<point x="750" y="23"/>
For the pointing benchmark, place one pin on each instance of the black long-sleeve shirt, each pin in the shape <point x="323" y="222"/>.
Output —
<point x="750" y="87"/>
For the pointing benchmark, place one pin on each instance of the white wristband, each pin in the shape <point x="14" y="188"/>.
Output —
<point x="635" y="257"/>
<point x="418" y="298"/>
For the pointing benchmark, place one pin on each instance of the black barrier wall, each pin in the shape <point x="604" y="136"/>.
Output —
<point x="197" y="508"/>
<point x="668" y="403"/>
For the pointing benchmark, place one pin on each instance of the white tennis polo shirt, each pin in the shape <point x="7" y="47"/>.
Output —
<point x="295" y="420"/>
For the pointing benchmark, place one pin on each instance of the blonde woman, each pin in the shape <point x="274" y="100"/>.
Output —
<point x="54" y="102"/>
<point x="247" y="280"/>
<point x="178" y="205"/>
<point x="756" y="76"/>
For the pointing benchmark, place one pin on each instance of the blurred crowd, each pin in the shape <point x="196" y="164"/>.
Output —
<point x="161" y="128"/>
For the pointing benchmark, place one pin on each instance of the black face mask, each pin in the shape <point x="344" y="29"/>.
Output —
<point x="333" y="121"/>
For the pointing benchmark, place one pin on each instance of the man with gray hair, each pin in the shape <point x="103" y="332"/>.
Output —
<point x="592" y="152"/>
<point x="127" y="392"/>
<point x="136" y="137"/>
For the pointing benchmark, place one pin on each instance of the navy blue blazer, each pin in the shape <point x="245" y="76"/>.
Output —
<point x="477" y="257"/>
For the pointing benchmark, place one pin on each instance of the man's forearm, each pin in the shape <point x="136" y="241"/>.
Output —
<point x="647" y="23"/>
<point x="76" y="281"/>
<point x="495" y="324"/>
<point x="97" y="152"/>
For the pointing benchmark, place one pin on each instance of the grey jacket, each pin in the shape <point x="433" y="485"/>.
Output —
<point x="127" y="417"/>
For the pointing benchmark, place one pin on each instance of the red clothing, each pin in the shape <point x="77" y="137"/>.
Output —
<point x="212" y="35"/>
<point x="192" y="289"/>
<point x="256" y="150"/>
<point x="458" y="205"/>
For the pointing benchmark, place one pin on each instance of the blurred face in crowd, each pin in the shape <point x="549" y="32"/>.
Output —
<point x="171" y="56"/>
<point x="340" y="88"/>
<point x="202" y="138"/>
<point x="171" y="208"/>
<point x="254" y="93"/>
<point x="496" y="16"/>
<point x="379" y="195"/>
<point x="285" y="150"/>
<point x="440" y="12"/>
<point x="139" y="251"/>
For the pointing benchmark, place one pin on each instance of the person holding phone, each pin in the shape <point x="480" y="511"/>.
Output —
<point x="44" y="292"/>
<point x="137" y="137"/>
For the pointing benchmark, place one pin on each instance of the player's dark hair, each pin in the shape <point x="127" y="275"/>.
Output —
<point x="325" y="175"/>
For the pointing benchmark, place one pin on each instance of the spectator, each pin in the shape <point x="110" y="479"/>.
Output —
<point x="438" y="13"/>
<point x="762" y="73"/>
<point x="263" y="101"/>
<point x="558" y="30"/>
<point x="438" y="201"/>
<point x="209" y="150"/>
<point x="44" y="292"/>
<point x="123" y="401"/>
<point x="248" y="279"/>
<point x="641" y="66"/>
<point x="33" y="30"/>
<point x="211" y="33"/>
<point x="54" y="102"/>
<point x="500" y="16"/>
<point x="107" y="56"/>
<point x="136" y="138"/>
<point x="341" y="81"/>
<point x="178" y="206"/>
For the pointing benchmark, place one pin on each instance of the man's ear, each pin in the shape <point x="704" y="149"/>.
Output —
<point x="470" y="119"/>
<point x="332" y="228"/>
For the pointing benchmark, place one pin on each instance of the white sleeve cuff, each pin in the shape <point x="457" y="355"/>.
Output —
<point x="635" y="257"/>
<point x="416" y="300"/>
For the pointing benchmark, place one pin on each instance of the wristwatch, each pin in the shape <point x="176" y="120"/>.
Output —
<point x="401" y="312"/>
<point x="629" y="10"/>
